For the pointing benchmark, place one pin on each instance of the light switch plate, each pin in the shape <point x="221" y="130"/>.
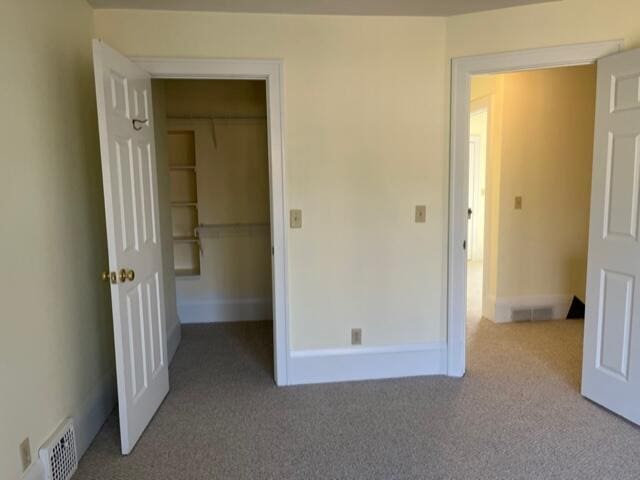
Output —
<point x="421" y="213"/>
<point x="517" y="204"/>
<point x="295" y="218"/>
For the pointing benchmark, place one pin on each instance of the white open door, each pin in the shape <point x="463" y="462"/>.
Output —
<point x="128" y="155"/>
<point x="611" y="366"/>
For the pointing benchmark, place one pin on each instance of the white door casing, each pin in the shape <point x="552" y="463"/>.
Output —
<point x="271" y="71"/>
<point x="462" y="70"/>
<point x="611" y="363"/>
<point x="473" y="156"/>
<point x="123" y="92"/>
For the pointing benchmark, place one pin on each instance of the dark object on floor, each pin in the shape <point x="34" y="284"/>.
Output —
<point x="576" y="310"/>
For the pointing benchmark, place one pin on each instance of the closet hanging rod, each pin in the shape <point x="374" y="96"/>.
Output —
<point x="216" y="117"/>
<point x="213" y="118"/>
<point x="217" y="230"/>
<point x="232" y="225"/>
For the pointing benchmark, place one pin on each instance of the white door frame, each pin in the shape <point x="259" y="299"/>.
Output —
<point x="271" y="72"/>
<point x="475" y="141"/>
<point x="479" y="189"/>
<point x="461" y="71"/>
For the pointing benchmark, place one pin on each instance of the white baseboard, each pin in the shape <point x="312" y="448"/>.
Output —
<point x="88" y="420"/>
<point x="235" y="310"/>
<point x="173" y="340"/>
<point x="95" y="411"/>
<point x="100" y="403"/>
<point x="366" y="363"/>
<point x="503" y="305"/>
<point x="489" y="307"/>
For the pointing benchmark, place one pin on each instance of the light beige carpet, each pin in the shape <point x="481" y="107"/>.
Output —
<point x="517" y="414"/>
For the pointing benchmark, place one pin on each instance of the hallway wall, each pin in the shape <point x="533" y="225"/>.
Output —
<point x="538" y="254"/>
<point x="547" y="156"/>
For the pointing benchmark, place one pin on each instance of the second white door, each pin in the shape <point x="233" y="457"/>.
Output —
<point x="611" y="363"/>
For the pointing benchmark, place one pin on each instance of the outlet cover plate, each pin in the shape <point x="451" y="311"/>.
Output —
<point x="25" y="453"/>
<point x="356" y="336"/>
<point x="421" y="213"/>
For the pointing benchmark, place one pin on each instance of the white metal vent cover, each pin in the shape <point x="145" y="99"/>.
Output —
<point x="527" y="314"/>
<point x="59" y="455"/>
<point x="521" y="314"/>
<point x="542" y="313"/>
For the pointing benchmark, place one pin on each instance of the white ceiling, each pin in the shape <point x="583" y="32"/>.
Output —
<point x="439" y="8"/>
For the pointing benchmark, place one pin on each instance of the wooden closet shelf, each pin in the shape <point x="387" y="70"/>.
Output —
<point x="187" y="272"/>
<point x="186" y="239"/>
<point x="179" y="168"/>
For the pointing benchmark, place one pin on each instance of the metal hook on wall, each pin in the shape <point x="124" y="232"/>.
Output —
<point x="137" y="123"/>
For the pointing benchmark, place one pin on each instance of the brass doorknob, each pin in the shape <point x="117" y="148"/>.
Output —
<point x="109" y="276"/>
<point x="127" y="275"/>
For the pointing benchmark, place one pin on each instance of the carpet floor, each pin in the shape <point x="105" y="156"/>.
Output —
<point x="517" y="414"/>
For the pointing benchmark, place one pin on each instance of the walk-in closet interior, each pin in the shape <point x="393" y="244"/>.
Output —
<point x="213" y="140"/>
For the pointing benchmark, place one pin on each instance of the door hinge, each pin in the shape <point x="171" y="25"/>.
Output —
<point x="464" y="244"/>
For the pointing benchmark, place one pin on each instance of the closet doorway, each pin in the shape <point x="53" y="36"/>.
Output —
<point x="212" y="146"/>
<point x="269" y="73"/>
<point x="141" y="235"/>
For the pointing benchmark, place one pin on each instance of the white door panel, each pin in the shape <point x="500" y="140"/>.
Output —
<point x="131" y="205"/>
<point x="611" y="366"/>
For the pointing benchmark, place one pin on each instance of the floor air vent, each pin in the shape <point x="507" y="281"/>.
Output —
<point x="529" y="314"/>
<point x="59" y="455"/>
<point x="542" y="313"/>
<point x="521" y="314"/>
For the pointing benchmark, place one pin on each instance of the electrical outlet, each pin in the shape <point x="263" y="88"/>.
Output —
<point x="295" y="218"/>
<point x="517" y="204"/>
<point x="421" y="213"/>
<point x="356" y="336"/>
<point x="25" y="453"/>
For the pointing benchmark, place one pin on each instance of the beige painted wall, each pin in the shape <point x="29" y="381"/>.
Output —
<point x="541" y="149"/>
<point x="547" y="152"/>
<point x="364" y="144"/>
<point x="56" y="347"/>
<point x="216" y="97"/>
<point x="233" y="187"/>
